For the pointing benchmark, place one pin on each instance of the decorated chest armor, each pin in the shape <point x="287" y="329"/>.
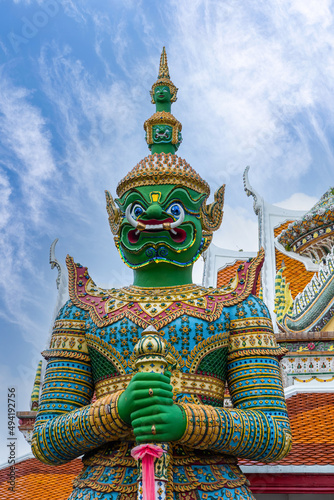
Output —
<point x="161" y="225"/>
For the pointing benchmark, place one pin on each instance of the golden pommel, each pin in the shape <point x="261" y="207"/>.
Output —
<point x="150" y="352"/>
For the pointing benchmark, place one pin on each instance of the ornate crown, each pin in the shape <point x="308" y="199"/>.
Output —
<point x="165" y="167"/>
<point x="162" y="168"/>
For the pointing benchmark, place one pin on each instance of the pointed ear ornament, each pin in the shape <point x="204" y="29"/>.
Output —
<point x="114" y="214"/>
<point x="207" y="240"/>
<point x="212" y="215"/>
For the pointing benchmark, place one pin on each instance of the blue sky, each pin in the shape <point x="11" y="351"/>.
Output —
<point x="255" y="86"/>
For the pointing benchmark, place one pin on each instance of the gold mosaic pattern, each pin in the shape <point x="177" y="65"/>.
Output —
<point x="105" y="420"/>
<point x="108" y="351"/>
<point x="153" y="301"/>
<point x="62" y="353"/>
<point x="162" y="168"/>
<point x="217" y="341"/>
<point x="190" y="383"/>
<point x="165" y="118"/>
<point x="149" y="306"/>
<point x="253" y="336"/>
<point x="68" y="340"/>
<point x="69" y="324"/>
<point x="112" y="385"/>
<point x="203" y="426"/>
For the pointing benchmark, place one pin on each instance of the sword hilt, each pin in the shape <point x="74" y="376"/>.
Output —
<point x="150" y="354"/>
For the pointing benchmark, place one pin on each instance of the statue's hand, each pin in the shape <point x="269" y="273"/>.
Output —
<point x="159" y="423"/>
<point x="136" y="396"/>
<point x="155" y="412"/>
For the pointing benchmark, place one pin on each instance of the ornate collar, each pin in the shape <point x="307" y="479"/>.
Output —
<point x="158" y="306"/>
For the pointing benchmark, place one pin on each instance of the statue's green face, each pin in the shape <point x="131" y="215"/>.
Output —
<point x="162" y="94"/>
<point x="160" y="224"/>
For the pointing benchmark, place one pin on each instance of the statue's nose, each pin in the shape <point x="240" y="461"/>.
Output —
<point x="154" y="211"/>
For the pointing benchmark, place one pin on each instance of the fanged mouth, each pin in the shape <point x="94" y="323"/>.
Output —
<point x="154" y="226"/>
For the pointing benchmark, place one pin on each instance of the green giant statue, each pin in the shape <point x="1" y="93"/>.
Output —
<point x="156" y="355"/>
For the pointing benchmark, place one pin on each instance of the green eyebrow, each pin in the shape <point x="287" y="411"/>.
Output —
<point x="184" y="196"/>
<point x="133" y="196"/>
<point x="177" y="193"/>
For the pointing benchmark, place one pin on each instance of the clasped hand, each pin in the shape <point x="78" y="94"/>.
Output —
<point x="147" y="405"/>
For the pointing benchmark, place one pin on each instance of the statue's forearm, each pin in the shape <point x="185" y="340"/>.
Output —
<point x="249" y="434"/>
<point x="70" y="435"/>
<point x="67" y="425"/>
<point x="257" y="427"/>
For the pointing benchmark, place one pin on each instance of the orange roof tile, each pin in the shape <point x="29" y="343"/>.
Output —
<point x="295" y="273"/>
<point x="311" y="417"/>
<point x="312" y="425"/>
<point x="35" y="480"/>
<point x="228" y="273"/>
<point x="225" y="275"/>
<point x="281" y="227"/>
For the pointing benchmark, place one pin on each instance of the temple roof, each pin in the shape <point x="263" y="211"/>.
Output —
<point x="295" y="272"/>
<point x="312" y="424"/>
<point x="229" y="273"/>
<point x="317" y="224"/>
<point x="38" y="481"/>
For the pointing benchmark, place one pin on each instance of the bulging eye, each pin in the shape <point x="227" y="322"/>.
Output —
<point x="136" y="211"/>
<point x="175" y="209"/>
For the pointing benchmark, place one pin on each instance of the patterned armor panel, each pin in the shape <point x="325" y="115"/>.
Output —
<point x="213" y="337"/>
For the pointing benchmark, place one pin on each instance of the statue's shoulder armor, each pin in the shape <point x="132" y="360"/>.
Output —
<point x="244" y="283"/>
<point x="86" y="295"/>
<point x="68" y="338"/>
<point x="158" y="307"/>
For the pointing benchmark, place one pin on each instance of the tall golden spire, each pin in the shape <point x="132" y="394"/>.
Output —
<point x="164" y="78"/>
<point x="163" y="68"/>
<point x="163" y="130"/>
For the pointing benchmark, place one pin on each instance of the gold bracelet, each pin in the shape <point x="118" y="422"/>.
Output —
<point x="189" y="424"/>
<point x="212" y="433"/>
<point x="118" y="423"/>
<point x="104" y="418"/>
<point x="203" y="426"/>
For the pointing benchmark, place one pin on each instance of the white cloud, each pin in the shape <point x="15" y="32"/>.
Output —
<point x="25" y="174"/>
<point x="239" y="230"/>
<point x="3" y="47"/>
<point x="298" y="201"/>
<point x="252" y="78"/>
<point x="96" y="122"/>
<point x="313" y="11"/>
<point x="24" y="132"/>
<point x="5" y="192"/>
